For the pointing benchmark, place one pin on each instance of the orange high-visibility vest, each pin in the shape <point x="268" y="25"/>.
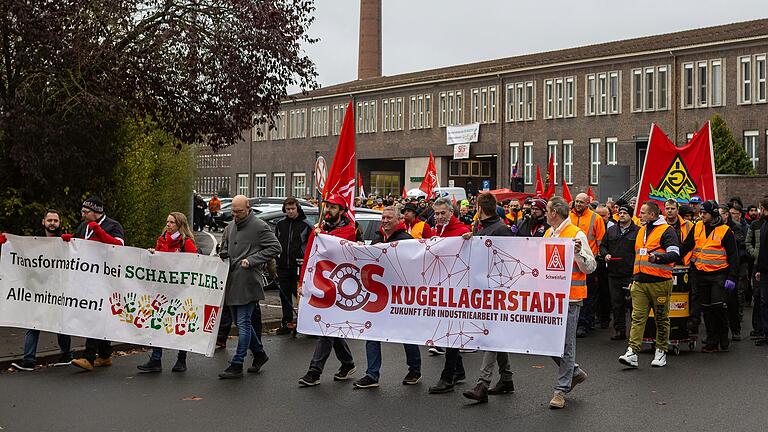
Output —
<point x="685" y="228"/>
<point x="709" y="254"/>
<point x="417" y="230"/>
<point x="651" y="244"/>
<point x="594" y="229"/>
<point x="578" y="278"/>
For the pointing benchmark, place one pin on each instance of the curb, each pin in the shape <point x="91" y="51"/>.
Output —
<point x="50" y="356"/>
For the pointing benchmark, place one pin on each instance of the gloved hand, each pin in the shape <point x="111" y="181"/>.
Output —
<point x="730" y="285"/>
<point x="3" y="238"/>
<point x="66" y="237"/>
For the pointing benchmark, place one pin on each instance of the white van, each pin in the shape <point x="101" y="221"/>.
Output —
<point x="440" y="192"/>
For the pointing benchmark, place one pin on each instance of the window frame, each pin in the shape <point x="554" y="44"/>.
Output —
<point x="745" y="84"/>
<point x="260" y="190"/>
<point x="568" y="161"/>
<point x="611" y="156"/>
<point x="242" y="184"/>
<point x="294" y="177"/>
<point x="754" y="155"/>
<point x="552" y="150"/>
<point x="590" y="95"/>
<point x="594" y="161"/>
<point x="528" y="162"/>
<point x="276" y="176"/>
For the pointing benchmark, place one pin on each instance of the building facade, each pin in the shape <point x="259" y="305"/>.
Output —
<point x="590" y="107"/>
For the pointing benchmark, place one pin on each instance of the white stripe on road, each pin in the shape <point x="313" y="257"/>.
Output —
<point x="215" y="243"/>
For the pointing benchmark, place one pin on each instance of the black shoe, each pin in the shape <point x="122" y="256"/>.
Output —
<point x="460" y="377"/>
<point x="180" y="366"/>
<point x="283" y="330"/>
<point x="309" y="380"/>
<point x="736" y="337"/>
<point x="755" y="335"/>
<point x="26" y="365"/>
<point x="151" y="366"/>
<point x="258" y="361"/>
<point x="502" y="387"/>
<point x="761" y="342"/>
<point x="345" y="372"/>
<point x="442" y="386"/>
<point x="619" y="335"/>
<point x="479" y="393"/>
<point x="233" y="371"/>
<point x="581" y="332"/>
<point x="412" y="378"/>
<point x="64" y="360"/>
<point x="366" y="382"/>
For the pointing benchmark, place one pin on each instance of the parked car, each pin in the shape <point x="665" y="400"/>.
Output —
<point x="369" y="220"/>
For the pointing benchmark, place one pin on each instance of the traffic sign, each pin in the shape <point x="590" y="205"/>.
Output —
<point x="321" y="173"/>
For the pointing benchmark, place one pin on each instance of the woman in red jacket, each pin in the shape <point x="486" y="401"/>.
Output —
<point x="177" y="237"/>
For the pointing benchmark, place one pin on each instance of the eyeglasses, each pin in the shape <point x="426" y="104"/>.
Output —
<point x="86" y="211"/>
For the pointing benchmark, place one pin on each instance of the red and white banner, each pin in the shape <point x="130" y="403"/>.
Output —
<point x="447" y="292"/>
<point x="430" y="181"/>
<point x="678" y="173"/>
<point x="341" y="177"/>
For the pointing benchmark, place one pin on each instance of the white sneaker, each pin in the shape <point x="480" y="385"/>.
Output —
<point x="660" y="359"/>
<point x="629" y="358"/>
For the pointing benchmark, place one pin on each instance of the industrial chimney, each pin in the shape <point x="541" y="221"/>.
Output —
<point x="369" y="56"/>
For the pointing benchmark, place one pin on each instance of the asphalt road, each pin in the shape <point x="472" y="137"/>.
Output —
<point x="695" y="392"/>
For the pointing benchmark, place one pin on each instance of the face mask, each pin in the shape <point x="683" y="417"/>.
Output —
<point x="176" y="235"/>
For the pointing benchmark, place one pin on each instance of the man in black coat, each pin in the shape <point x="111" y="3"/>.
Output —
<point x="618" y="250"/>
<point x="535" y="225"/>
<point x="293" y="233"/>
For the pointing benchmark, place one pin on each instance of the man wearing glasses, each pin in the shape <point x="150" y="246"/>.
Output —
<point x="96" y="226"/>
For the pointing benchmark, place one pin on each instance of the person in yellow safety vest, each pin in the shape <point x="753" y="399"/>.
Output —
<point x="569" y="372"/>
<point x="681" y="226"/>
<point x="594" y="228"/>
<point x="416" y="228"/>
<point x="656" y="251"/>
<point x="514" y="214"/>
<point x="714" y="270"/>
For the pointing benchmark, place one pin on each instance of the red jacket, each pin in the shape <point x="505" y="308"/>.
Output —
<point x="166" y="244"/>
<point x="455" y="228"/>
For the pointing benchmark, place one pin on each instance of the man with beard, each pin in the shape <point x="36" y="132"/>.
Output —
<point x="448" y="225"/>
<point x="714" y="273"/>
<point x="681" y="226"/>
<point x="490" y="224"/>
<point x="392" y="230"/>
<point x="593" y="226"/>
<point x="96" y="226"/>
<point x="417" y="228"/>
<point x="52" y="227"/>
<point x="336" y="223"/>
<point x="535" y="225"/>
<point x="514" y="214"/>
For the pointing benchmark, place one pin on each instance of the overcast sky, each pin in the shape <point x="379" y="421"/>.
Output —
<point x="426" y="34"/>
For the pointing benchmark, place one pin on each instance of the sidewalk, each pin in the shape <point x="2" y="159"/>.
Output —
<point x="12" y="339"/>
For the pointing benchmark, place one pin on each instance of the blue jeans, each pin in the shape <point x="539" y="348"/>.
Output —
<point x="157" y="354"/>
<point x="33" y="336"/>
<point x="373" y="353"/>
<point x="247" y="336"/>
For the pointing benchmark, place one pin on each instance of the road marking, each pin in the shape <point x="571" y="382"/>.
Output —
<point x="215" y="243"/>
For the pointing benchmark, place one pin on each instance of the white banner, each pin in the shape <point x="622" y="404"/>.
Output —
<point x="462" y="134"/>
<point x="461" y="151"/>
<point x="119" y="293"/>
<point x="492" y="293"/>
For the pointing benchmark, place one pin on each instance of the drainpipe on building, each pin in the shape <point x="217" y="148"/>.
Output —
<point x="675" y="91"/>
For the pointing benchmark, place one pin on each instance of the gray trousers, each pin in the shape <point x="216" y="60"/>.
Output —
<point x="490" y="359"/>
<point x="567" y="363"/>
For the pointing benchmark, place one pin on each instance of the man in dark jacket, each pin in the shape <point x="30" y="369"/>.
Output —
<point x="392" y="229"/>
<point x="96" y="226"/>
<point x="534" y="225"/>
<point x="618" y="251"/>
<point x="336" y="223"/>
<point x="761" y="272"/>
<point x="753" y="247"/>
<point x="248" y="246"/>
<point x="714" y="273"/>
<point x="293" y="233"/>
<point x="490" y="224"/>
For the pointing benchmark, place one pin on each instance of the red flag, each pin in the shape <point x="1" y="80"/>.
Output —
<point x="567" y="193"/>
<point x="404" y="195"/>
<point x="590" y="194"/>
<point x="360" y="185"/>
<point x="678" y="173"/>
<point x="550" y="177"/>
<point x="539" y="184"/>
<point x="429" y="183"/>
<point x="341" y="176"/>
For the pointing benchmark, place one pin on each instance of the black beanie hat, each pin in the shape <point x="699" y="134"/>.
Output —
<point x="711" y="207"/>
<point x="95" y="204"/>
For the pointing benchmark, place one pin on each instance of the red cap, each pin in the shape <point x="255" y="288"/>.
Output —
<point x="336" y="199"/>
